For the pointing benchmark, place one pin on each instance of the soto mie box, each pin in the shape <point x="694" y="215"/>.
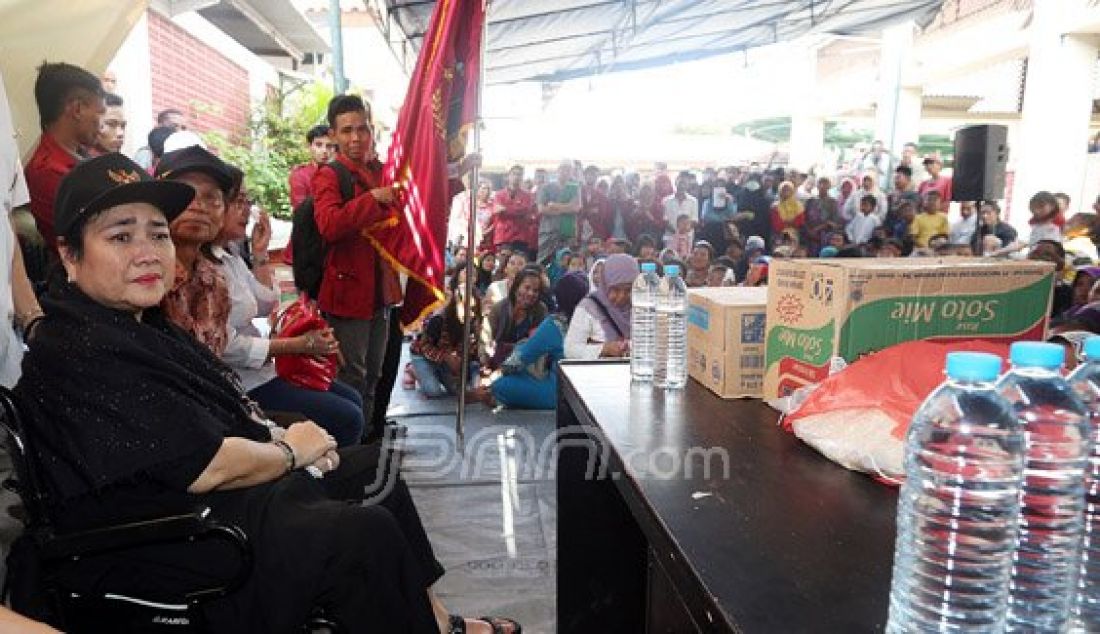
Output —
<point x="725" y="338"/>
<point x="824" y="308"/>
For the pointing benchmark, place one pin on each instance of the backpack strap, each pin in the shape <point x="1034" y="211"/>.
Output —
<point x="346" y="178"/>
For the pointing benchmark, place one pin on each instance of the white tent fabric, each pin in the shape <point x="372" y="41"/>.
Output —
<point x="85" y="33"/>
<point x="554" y="40"/>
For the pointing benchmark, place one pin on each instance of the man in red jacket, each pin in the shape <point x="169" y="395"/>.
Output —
<point x="513" y="211"/>
<point x="70" y="104"/>
<point x="359" y="286"/>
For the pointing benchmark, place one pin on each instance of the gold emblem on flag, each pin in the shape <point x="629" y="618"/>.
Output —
<point x="123" y="177"/>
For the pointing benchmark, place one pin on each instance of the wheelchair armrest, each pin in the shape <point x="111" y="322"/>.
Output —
<point x="171" y="528"/>
<point x="185" y="527"/>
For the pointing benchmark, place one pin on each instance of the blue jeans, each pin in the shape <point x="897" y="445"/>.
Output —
<point x="523" y="391"/>
<point x="436" y="379"/>
<point x="339" y="410"/>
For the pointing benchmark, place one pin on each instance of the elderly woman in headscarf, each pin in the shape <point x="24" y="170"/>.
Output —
<point x="601" y="324"/>
<point x="529" y="379"/>
<point x="788" y="215"/>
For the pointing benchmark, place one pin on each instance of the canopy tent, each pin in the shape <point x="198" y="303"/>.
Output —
<point x="85" y="33"/>
<point x="555" y="40"/>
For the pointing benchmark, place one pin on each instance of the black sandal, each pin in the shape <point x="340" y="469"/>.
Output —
<point x="458" y="624"/>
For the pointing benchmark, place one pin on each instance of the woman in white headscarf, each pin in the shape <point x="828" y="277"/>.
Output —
<point x="868" y="186"/>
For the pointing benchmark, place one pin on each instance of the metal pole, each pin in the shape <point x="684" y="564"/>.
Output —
<point x="471" y="229"/>
<point x="336" y="30"/>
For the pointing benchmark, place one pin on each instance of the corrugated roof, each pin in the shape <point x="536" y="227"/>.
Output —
<point x="554" y="40"/>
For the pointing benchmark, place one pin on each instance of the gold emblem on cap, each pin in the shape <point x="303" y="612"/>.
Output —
<point x="123" y="176"/>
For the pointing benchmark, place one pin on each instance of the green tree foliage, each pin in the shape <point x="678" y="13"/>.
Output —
<point x="273" y="143"/>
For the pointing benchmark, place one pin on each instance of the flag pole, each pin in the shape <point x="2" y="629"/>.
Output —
<point x="471" y="230"/>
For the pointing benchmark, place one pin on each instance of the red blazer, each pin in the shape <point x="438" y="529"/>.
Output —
<point x="357" y="280"/>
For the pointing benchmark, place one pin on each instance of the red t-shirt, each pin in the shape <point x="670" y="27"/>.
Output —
<point x="513" y="222"/>
<point x="48" y="165"/>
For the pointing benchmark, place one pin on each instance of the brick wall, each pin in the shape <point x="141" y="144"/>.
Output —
<point x="194" y="78"/>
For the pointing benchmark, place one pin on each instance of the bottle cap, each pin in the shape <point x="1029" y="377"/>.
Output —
<point x="1038" y="355"/>
<point x="1091" y="348"/>
<point x="973" y="366"/>
<point x="672" y="270"/>
<point x="651" y="267"/>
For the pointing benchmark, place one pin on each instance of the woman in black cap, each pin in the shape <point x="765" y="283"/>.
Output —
<point x="133" y="418"/>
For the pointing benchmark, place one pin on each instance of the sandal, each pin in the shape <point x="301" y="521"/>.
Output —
<point x="498" y="623"/>
<point x="408" y="381"/>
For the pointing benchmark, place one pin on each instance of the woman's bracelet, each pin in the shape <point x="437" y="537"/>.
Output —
<point x="25" y="320"/>
<point x="291" y="460"/>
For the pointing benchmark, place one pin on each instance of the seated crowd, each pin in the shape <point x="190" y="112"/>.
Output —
<point x="534" y="236"/>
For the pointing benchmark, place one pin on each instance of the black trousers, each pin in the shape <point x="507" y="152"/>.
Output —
<point x="391" y="366"/>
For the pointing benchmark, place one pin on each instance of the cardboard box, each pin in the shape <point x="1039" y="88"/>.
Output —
<point x="824" y="308"/>
<point x="726" y="339"/>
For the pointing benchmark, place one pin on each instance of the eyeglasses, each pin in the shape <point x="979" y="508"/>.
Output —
<point x="210" y="201"/>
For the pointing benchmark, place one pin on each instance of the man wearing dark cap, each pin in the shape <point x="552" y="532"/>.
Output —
<point x="198" y="299"/>
<point x="70" y="104"/>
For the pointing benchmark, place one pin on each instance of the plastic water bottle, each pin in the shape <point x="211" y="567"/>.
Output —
<point x="1086" y="383"/>
<point x="670" y="362"/>
<point x="959" y="505"/>
<point x="1046" y="564"/>
<point x="643" y="323"/>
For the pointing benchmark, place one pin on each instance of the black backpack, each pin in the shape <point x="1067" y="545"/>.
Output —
<point x="307" y="245"/>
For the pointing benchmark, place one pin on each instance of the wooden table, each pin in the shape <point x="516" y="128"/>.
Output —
<point x="775" y="538"/>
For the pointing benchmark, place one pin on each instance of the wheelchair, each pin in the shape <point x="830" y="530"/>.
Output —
<point x="43" y="554"/>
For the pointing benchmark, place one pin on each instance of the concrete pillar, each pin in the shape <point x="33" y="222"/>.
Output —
<point x="1054" y="128"/>
<point x="807" y="142"/>
<point x="898" y="101"/>
<point x="135" y="85"/>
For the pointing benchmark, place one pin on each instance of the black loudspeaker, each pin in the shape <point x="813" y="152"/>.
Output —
<point x="981" y="155"/>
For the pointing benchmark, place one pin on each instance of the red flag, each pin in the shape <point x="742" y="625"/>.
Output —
<point x="439" y="110"/>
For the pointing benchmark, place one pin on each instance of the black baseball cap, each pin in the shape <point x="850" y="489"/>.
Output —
<point x="110" y="180"/>
<point x="195" y="159"/>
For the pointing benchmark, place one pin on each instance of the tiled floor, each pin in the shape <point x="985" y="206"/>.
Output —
<point x="490" y="510"/>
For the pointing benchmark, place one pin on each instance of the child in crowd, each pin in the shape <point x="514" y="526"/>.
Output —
<point x="576" y="263"/>
<point x="436" y="354"/>
<point x="699" y="261"/>
<point x="681" y="241"/>
<point x="862" y="227"/>
<point x="890" y="249"/>
<point x="719" y="275"/>
<point x="906" y="214"/>
<point x="1045" y="222"/>
<point x="991" y="244"/>
<point x="930" y="222"/>
<point x="647" y="248"/>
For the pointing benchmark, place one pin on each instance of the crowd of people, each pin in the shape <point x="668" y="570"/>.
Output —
<point x="721" y="227"/>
